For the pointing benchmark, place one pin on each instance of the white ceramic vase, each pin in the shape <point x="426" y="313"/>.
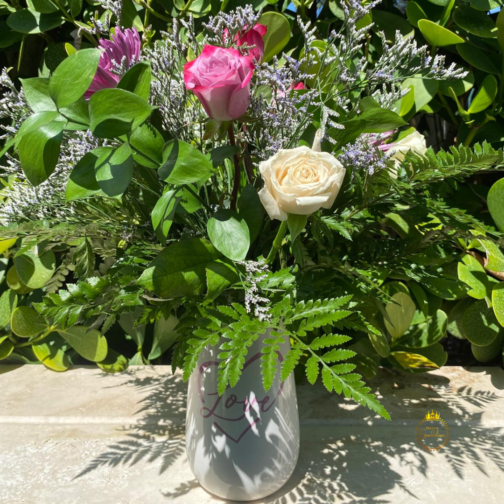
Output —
<point x="243" y="445"/>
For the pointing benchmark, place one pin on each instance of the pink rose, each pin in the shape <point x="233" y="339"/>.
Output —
<point x="220" y="78"/>
<point x="253" y="37"/>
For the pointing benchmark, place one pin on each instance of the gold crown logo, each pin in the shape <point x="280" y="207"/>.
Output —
<point x="433" y="416"/>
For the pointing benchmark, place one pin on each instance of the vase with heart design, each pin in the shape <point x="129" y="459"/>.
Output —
<point x="243" y="445"/>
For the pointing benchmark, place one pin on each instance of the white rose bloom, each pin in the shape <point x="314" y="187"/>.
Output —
<point x="300" y="181"/>
<point x="414" y="142"/>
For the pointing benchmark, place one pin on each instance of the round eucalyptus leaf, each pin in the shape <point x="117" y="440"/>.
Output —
<point x="278" y="34"/>
<point x="113" y="363"/>
<point x="455" y="327"/>
<point x="473" y="21"/>
<point x="415" y="13"/>
<point x="479" y="59"/>
<point x="426" y="333"/>
<point x="26" y="322"/>
<point x="480" y="324"/>
<point x="498" y="302"/>
<point x="495" y="201"/>
<point x="35" y="271"/>
<point x="485" y="95"/>
<point x="229" y="234"/>
<point x="437" y="35"/>
<point x="8" y="303"/>
<point x="459" y="86"/>
<point x="51" y="352"/>
<point x="6" y="347"/>
<point x="88" y="343"/>
<point x="15" y="283"/>
<point x="400" y="310"/>
<point x="488" y="352"/>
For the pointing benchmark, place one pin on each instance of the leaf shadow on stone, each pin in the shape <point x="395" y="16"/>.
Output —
<point x="342" y="456"/>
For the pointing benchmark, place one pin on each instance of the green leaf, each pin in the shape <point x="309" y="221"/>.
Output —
<point x="114" y="170"/>
<point x="179" y="270"/>
<point x="36" y="92"/>
<point x="426" y="333"/>
<point x="34" y="122"/>
<point x="476" y="22"/>
<point x="495" y="202"/>
<point x="277" y="36"/>
<point x="459" y="86"/>
<point x="220" y="154"/>
<point x="115" y="112"/>
<point x="296" y="225"/>
<point x="471" y="272"/>
<point x="164" y="212"/>
<point x="400" y="311"/>
<point x="82" y="182"/>
<point x="485" y="5"/>
<point x="39" y="151"/>
<point x="251" y="209"/>
<point x="312" y="369"/>
<point x="391" y="23"/>
<point x="28" y="21"/>
<point x="114" y="362"/>
<point x="33" y="270"/>
<point x="147" y="143"/>
<point x="479" y="59"/>
<point x="480" y="324"/>
<point x="8" y="303"/>
<point x="6" y="347"/>
<point x="485" y="96"/>
<point x="15" y="283"/>
<point x="495" y="258"/>
<point x="488" y="352"/>
<point x="269" y="360"/>
<point x="88" y="343"/>
<point x="220" y="276"/>
<point x="411" y="360"/>
<point x="26" y="322"/>
<point x="164" y="336"/>
<point x="184" y="164"/>
<point x="498" y="302"/>
<point x="415" y="13"/>
<point x="455" y="327"/>
<point x="423" y="89"/>
<point x="42" y="6"/>
<point x="290" y="361"/>
<point x="73" y="76"/>
<point x="229" y="234"/>
<point x="51" y="352"/>
<point x="378" y="120"/>
<point x="445" y="288"/>
<point x="438" y="35"/>
<point x="75" y="7"/>
<point x="137" y="80"/>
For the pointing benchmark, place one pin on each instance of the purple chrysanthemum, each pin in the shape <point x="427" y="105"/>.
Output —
<point x="118" y="55"/>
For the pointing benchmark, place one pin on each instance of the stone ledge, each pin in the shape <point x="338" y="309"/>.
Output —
<point x="88" y="437"/>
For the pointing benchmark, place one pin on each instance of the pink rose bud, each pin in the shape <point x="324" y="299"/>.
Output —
<point x="253" y="37"/>
<point x="220" y="78"/>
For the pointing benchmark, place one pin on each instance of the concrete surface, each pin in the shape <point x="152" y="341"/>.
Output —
<point x="87" y="437"/>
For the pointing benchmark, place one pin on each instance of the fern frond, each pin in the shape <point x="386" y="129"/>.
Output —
<point x="269" y="358"/>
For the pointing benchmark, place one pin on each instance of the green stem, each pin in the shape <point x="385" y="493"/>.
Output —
<point x="442" y="99"/>
<point x="277" y="242"/>
<point x="187" y="6"/>
<point x="70" y="19"/>
<point x="237" y="171"/>
<point x="21" y="53"/>
<point x="472" y="133"/>
<point x="150" y="10"/>
<point x="39" y="338"/>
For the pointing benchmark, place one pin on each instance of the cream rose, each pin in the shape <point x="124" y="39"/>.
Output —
<point x="300" y="181"/>
<point x="414" y="142"/>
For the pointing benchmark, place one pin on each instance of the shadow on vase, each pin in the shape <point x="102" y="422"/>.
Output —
<point x="344" y="456"/>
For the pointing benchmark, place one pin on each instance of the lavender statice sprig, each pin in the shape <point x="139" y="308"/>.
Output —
<point x="256" y="271"/>
<point x="364" y="155"/>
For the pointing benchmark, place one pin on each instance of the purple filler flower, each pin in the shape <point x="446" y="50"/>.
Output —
<point x="118" y="55"/>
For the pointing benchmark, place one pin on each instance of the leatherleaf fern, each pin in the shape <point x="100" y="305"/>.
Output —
<point x="307" y="325"/>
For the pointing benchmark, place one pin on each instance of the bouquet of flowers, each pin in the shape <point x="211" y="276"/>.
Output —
<point x="222" y="179"/>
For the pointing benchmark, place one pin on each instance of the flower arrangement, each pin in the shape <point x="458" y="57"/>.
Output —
<point x="206" y="185"/>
